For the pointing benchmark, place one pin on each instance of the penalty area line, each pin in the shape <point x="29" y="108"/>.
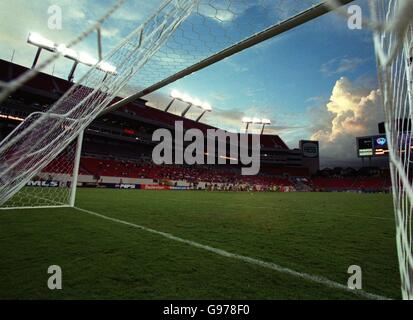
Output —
<point x="268" y="265"/>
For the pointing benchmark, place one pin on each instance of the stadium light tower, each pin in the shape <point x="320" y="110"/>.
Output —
<point x="192" y="102"/>
<point x="264" y="123"/>
<point x="78" y="57"/>
<point x="187" y="99"/>
<point x="247" y="121"/>
<point x="175" y="95"/>
<point x="206" y="107"/>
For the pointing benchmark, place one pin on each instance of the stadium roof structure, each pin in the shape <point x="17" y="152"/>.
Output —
<point x="50" y="87"/>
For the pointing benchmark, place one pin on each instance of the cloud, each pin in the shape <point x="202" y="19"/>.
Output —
<point x="110" y="32"/>
<point x="352" y="111"/>
<point x="278" y="129"/>
<point x="340" y="65"/>
<point x="229" y="119"/>
<point x="220" y="14"/>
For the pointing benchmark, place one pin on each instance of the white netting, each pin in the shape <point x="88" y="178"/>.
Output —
<point x="42" y="136"/>
<point x="215" y="25"/>
<point x="10" y="87"/>
<point x="393" y="24"/>
<point x="52" y="186"/>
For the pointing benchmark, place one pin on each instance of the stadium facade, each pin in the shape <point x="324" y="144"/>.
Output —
<point x="126" y="134"/>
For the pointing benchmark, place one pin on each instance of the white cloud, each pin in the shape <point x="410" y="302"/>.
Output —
<point x="218" y="13"/>
<point x="110" y="32"/>
<point x="352" y="111"/>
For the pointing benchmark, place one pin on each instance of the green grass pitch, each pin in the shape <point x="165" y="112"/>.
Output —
<point x="321" y="234"/>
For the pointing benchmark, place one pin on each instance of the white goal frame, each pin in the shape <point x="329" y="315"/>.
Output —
<point x="71" y="199"/>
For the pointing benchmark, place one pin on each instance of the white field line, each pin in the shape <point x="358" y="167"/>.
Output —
<point x="268" y="265"/>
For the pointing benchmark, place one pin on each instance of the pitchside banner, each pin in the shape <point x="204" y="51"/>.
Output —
<point x="154" y="187"/>
<point x="132" y="186"/>
<point x="43" y="184"/>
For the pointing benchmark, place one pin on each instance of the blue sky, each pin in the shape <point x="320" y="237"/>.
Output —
<point x="317" y="81"/>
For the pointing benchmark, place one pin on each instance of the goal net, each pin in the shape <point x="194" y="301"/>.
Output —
<point x="43" y="136"/>
<point x="54" y="186"/>
<point x="393" y="34"/>
<point x="178" y="34"/>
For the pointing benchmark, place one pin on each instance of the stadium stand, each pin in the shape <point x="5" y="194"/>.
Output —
<point x="118" y="147"/>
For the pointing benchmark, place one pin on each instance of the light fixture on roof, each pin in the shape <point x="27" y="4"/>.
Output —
<point x="187" y="98"/>
<point x="197" y="103"/>
<point x="175" y="94"/>
<point x="264" y="123"/>
<point x="67" y="52"/>
<point x="42" y="43"/>
<point x="107" y="67"/>
<point x="192" y="102"/>
<point x="39" y="41"/>
<point x="206" y="106"/>
<point x="87" y="59"/>
<point x="248" y="121"/>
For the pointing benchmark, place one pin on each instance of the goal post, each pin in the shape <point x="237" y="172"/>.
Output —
<point x="55" y="186"/>
<point x="78" y="156"/>
<point x="393" y="39"/>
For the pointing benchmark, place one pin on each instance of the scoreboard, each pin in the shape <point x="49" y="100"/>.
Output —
<point x="373" y="146"/>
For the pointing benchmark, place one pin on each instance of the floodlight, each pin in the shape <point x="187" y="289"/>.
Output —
<point x="40" y="41"/>
<point x="246" y="120"/>
<point x="264" y="122"/>
<point x="175" y="94"/>
<point x="107" y="67"/>
<point x="67" y="52"/>
<point x="197" y="103"/>
<point x="256" y="121"/>
<point x="187" y="98"/>
<point x="192" y="102"/>
<point x="206" y="106"/>
<point x="87" y="59"/>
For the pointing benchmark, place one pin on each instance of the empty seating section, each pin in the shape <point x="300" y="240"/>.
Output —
<point x="147" y="170"/>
